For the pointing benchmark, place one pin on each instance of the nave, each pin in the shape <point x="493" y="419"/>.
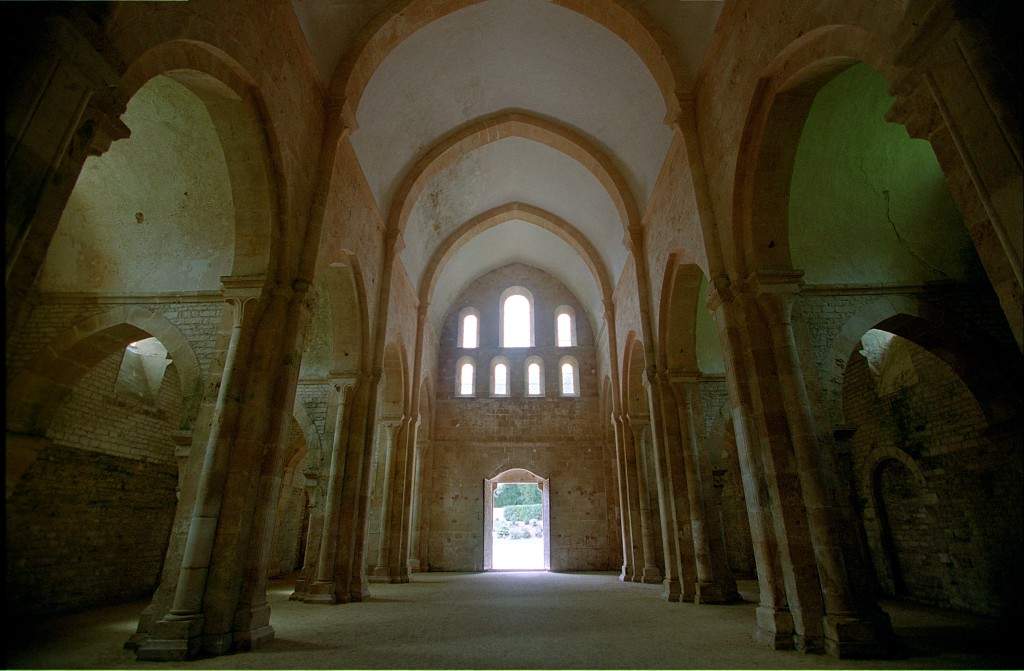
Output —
<point x="517" y="620"/>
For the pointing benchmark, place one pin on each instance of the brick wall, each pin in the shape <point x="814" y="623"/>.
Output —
<point x="94" y="418"/>
<point x="952" y="490"/>
<point x="85" y="529"/>
<point x="555" y="437"/>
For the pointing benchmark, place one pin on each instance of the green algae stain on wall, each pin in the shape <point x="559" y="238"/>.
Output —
<point x="867" y="203"/>
<point x="709" y="348"/>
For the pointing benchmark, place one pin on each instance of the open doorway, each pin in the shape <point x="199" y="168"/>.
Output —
<point x="516" y="522"/>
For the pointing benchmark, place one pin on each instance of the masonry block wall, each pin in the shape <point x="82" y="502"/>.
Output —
<point x="941" y="493"/>
<point x="560" y="438"/>
<point x="90" y="521"/>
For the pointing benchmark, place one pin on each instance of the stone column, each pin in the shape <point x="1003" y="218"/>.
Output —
<point x="774" y="622"/>
<point x="182" y="450"/>
<point x="400" y="500"/>
<point x="629" y="513"/>
<point x="680" y="509"/>
<point x="849" y="629"/>
<point x="388" y="449"/>
<point x="650" y="572"/>
<point x="251" y="621"/>
<point x="416" y="500"/>
<point x="322" y="590"/>
<point x="666" y="498"/>
<point x="62" y="106"/>
<point x="628" y="561"/>
<point x="177" y="635"/>
<point x="314" y="530"/>
<point x="348" y="581"/>
<point x="715" y="581"/>
<point x="633" y="497"/>
<point x="951" y="90"/>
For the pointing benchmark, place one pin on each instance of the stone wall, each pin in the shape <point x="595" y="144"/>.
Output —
<point x="931" y="476"/>
<point x="86" y="529"/>
<point x="560" y="438"/>
<point x="94" y="418"/>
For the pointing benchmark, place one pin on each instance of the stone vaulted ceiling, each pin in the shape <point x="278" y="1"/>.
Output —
<point x="532" y="56"/>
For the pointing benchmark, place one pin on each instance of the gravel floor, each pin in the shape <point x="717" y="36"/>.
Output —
<point x="506" y="620"/>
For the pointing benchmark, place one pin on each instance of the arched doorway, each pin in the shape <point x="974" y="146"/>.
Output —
<point x="518" y="538"/>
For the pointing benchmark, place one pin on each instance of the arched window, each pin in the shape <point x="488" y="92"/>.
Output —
<point x="569" y="372"/>
<point x="516" y="318"/>
<point x="499" y="377"/>
<point x="469" y="328"/>
<point x="465" y="377"/>
<point x="534" y="376"/>
<point x="565" y="327"/>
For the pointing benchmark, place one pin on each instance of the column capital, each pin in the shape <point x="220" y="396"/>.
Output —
<point x="720" y="292"/>
<point x="774" y="292"/>
<point x="342" y="381"/>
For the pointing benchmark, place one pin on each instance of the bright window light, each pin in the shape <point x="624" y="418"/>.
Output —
<point x="470" y="331"/>
<point x="568" y="380"/>
<point x="517" y="321"/>
<point x="533" y="379"/>
<point x="564" y="330"/>
<point x="466" y="379"/>
<point x="501" y="380"/>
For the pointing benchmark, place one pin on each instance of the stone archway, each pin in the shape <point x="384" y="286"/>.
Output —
<point x="517" y="476"/>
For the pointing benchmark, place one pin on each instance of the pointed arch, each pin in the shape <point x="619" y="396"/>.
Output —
<point x="248" y="139"/>
<point x="520" y="212"/>
<point x="512" y="123"/>
<point x="627" y="20"/>
<point x="37" y="391"/>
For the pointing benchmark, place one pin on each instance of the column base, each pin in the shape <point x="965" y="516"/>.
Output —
<point x="300" y="590"/>
<point x="173" y="639"/>
<point x="712" y="593"/>
<point x="774" y="628"/>
<point x="399" y="579"/>
<point x="651" y="575"/>
<point x="359" y="594"/>
<point x="625" y="575"/>
<point x="147" y="621"/>
<point x="252" y="628"/>
<point x="319" y="592"/>
<point x="671" y="590"/>
<point x="860" y="635"/>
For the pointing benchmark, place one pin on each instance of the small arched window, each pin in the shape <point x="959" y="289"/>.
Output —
<point x="516" y="318"/>
<point x="499" y="377"/>
<point x="570" y="377"/>
<point x="469" y="328"/>
<point x="565" y="327"/>
<point x="465" y="377"/>
<point x="534" y="376"/>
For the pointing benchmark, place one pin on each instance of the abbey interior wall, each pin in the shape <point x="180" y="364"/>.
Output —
<point x="556" y="438"/>
<point x="89" y="522"/>
<point x="952" y="521"/>
<point x="107" y="476"/>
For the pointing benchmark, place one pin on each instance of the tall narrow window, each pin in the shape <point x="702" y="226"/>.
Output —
<point x="533" y="379"/>
<point x="565" y="327"/>
<point x="568" y="383"/>
<point x="469" y="328"/>
<point x="534" y="376"/>
<point x="564" y="330"/>
<point x="570" y="377"/>
<point x="464" y="377"/>
<point x="516" y="318"/>
<point x="501" y="380"/>
<point x="469" y="331"/>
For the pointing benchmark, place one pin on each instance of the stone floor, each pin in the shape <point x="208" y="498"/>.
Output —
<point x="508" y="620"/>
